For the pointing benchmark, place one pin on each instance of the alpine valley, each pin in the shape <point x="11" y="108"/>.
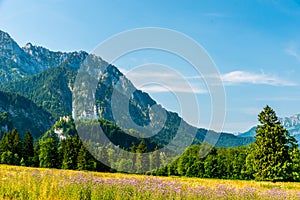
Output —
<point x="36" y="90"/>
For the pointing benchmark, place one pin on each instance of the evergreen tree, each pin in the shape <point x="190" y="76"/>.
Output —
<point x="77" y="143"/>
<point x="271" y="153"/>
<point x="36" y="152"/>
<point x="11" y="148"/>
<point x="61" y="152"/>
<point x="133" y="156"/>
<point x="17" y="143"/>
<point x="7" y="142"/>
<point x="69" y="160"/>
<point x="48" y="155"/>
<point x="142" y="158"/>
<point x="85" y="160"/>
<point x="4" y="143"/>
<point x="155" y="160"/>
<point x="102" y="164"/>
<point x="28" y="149"/>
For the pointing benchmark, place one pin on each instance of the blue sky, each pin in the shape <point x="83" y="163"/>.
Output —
<point x="254" y="44"/>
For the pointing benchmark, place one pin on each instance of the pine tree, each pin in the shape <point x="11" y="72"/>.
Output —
<point x="271" y="153"/>
<point x="48" y="155"/>
<point x="69" y="160"/>
<point x="103" y="163"/>
<point x="36" y="152"/>
<point x="133" y="156"/>
<point x="3" y="144"/>
<point x="85" y="160"/>
<point x="142" y="158"/>
<point x="16" y="143"/>
<point x="154" y="159"/>
<point x="28" y="151"/>
<point x="11" y="145"/>
<point x="7" y="142"/>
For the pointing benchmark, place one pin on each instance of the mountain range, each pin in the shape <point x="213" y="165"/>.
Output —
<point x="45" y="79"/>
<point x="292" y="124"/>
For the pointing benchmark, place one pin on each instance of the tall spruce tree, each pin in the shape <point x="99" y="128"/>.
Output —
<point x="11" y="145"/>
<point x="48" y="155"/>
<point x="142" y="158"/>
<point x="271" y="153"/>
<point x="28" y="151"/>
<point x="69" y="159"/>
<point x="16" y="143"/>
<point x="155" y="160"/>
<point x="85" y="160"/>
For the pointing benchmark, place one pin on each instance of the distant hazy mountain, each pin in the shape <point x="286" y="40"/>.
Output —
<point x="292" y="124"/>
<point x="47" y="78"/>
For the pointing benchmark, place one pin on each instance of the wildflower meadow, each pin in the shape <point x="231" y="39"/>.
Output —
<point x="36" y="183"/>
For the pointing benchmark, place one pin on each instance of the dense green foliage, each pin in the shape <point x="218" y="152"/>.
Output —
<point x="28" y="149"/>
<point x="67" y="150"/>
<point x="11" y="148"/>
<point x="272" y="159"/>
<point x="49" y="89"/>
<point x="21" y="113"/>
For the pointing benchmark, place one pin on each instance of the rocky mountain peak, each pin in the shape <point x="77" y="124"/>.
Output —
<point x="4" y="36"/>
<point x="28" y="46"/>
<point x="290" y="121"/>
<point x="17" y="63"/>
<point x="7" y="45"/>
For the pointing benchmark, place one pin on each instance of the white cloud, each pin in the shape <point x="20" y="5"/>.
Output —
<point x="239" y="77"/>
<point x="179" y="84"/>
<point x="174" y="88"/>
<point x="292" y="52"/>
<point x="163" y="82"/>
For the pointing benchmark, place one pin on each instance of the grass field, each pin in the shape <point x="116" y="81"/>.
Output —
<point x="36" y="183"/>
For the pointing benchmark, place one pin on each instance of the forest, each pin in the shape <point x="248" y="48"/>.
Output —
<point x="274" y="156"/>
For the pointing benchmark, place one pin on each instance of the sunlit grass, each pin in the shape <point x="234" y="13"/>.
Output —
<point x="37" y="183"/>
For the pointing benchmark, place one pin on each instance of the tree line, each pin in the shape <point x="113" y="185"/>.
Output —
<point x="274" y="155"/>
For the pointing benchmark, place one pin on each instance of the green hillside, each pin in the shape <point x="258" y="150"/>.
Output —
<point x="49" y="89"/>
<point x="24" y="114"/>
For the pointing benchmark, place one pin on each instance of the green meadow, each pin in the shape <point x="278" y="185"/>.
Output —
<point x="42" y="183"/>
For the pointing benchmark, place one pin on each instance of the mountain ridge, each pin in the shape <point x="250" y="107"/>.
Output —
<point x="17" y="63"/>
<point x="292" y="124"/>
<point x="51" y="88"/>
